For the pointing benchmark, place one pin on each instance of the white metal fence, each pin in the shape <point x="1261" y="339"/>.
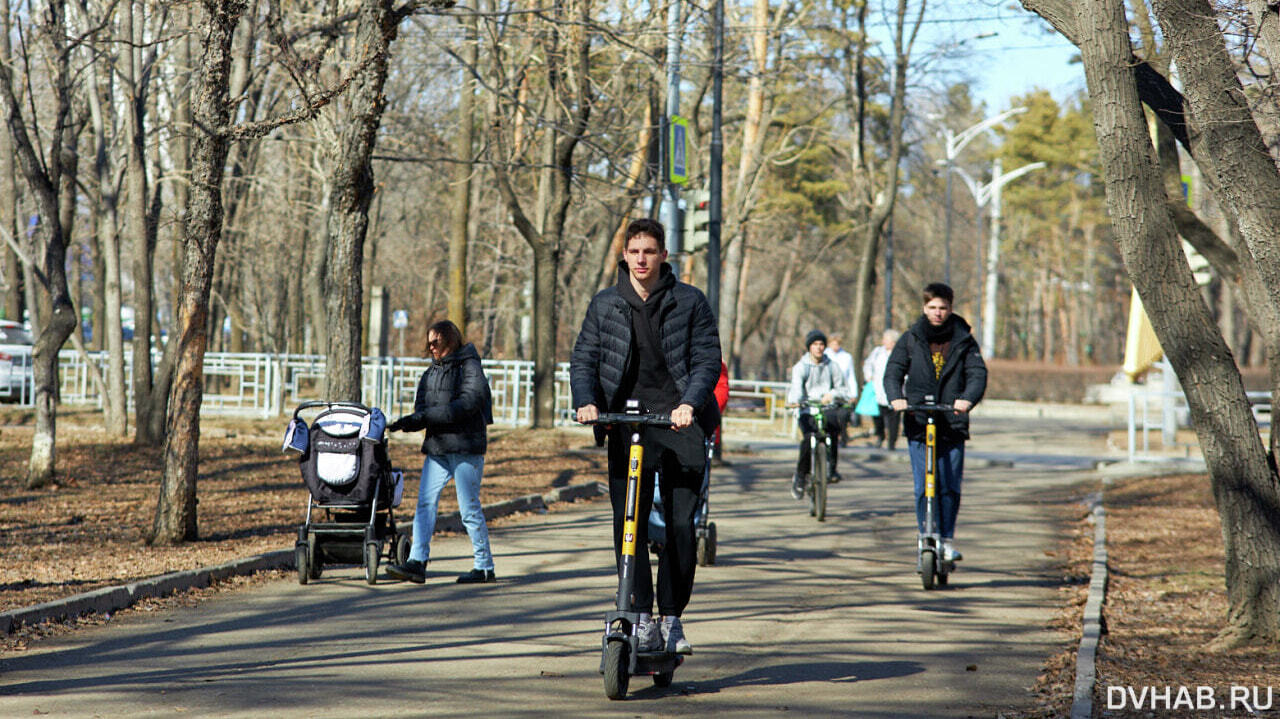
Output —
<point x="1165" y="409"/>
<point x="268" y="385"/>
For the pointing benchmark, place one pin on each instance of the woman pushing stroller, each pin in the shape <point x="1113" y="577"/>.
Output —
<point x="454" y="406"/>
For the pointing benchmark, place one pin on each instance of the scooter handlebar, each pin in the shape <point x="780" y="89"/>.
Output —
<point x="650" y="418"/>
<point x="925" y="408"/>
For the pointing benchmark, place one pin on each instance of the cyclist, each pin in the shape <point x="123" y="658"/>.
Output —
<point x="937" y="357"/>
<point x="653" y="338"/>
<point x="816" y="377"/>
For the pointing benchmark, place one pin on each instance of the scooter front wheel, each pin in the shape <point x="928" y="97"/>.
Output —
<point x="928" y="569"/>
<point x="662" y="680"/>
<point x="617" y="669"/>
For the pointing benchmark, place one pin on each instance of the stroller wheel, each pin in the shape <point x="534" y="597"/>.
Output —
<point x="402" y="549"/>
<point x="313" y="558"/>
<point x="300" y="560"/>
<point x="707" y="546"/>
<point x="371" y="556"/>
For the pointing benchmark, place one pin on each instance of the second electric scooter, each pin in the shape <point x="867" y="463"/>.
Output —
<point x="933" y="568"/>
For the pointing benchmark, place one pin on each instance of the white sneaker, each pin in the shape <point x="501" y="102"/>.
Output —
<point x="949" y="552"/>
<point x="649" y="634"/>
<point x="673" y="636"/>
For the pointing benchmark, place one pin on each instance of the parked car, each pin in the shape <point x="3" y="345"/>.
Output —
<point x="17" y="382"/>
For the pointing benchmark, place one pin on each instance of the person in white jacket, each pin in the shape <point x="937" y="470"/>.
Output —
<point x="844" y="361"/>
<point x="886" y="423"/>
<point x="815" y="377"/>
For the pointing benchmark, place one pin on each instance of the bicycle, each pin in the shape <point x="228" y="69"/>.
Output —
<point x="621" y="656"/>
<point x="819" y="469"/>
<point x="933" y="567"/>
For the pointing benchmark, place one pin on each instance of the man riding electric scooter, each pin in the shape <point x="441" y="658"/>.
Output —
<point x="938" y="359"/>
<point x="654" y="339"/>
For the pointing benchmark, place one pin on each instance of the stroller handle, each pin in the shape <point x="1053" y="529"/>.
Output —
<point x="320" y="403"/>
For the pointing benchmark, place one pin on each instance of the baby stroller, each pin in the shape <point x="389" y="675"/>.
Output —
<point x="344" y="463"/>
<point x="704" y="529"/>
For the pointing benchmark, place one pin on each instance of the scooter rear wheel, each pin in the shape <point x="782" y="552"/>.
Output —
<point x="928" y="569"/>
<point x="663" y="679"/>
<point x="617" y="669"/>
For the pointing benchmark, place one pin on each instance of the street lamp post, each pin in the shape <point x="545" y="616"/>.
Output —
<point x="982" y="194"/>
<point x="953" y="143"/>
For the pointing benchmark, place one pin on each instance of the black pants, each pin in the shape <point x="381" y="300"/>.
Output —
<point x="887" y="422"/>
<point x="808" y="426"/>
<point x="679" y="487"/>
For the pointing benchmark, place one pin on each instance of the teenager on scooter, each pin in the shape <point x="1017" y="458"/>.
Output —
<point x="937" y="357"/>
<point x="652" y="338"/>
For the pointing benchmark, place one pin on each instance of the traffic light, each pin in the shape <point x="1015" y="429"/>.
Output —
<point x="1200" y="269"/>
<point x="697" y="220"/>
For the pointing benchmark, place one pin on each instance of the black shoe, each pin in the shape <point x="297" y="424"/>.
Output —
<point x="834" y="478"/>
<point x="412" y="570"/>
<point x="478" y="576"/>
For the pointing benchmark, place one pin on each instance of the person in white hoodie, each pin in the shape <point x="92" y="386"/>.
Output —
<point x="815" y="377"/>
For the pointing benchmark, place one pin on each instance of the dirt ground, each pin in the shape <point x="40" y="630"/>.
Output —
<point x="1165" y="602"/>
<point x="251" y="499"/>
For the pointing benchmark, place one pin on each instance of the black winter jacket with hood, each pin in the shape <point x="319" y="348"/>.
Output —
<point x="451" y="402"/>
<point x="690" y="343"/>
<point x="964" y="376"/>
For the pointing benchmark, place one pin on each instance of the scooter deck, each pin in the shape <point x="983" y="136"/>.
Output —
<point x="657" y="662"/>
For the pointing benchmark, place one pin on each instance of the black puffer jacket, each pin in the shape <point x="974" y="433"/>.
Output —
<point x="450" y="405"/>
<point x="964" y="376"/>
<point x="690" y="343"/>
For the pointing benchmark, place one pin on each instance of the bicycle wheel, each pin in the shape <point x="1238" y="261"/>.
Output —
<point x="820" y="472"/>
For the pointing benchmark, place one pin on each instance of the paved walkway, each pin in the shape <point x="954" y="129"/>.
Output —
<point x="796" y="618"/>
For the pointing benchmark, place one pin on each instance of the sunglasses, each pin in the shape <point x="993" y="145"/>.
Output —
<point x="434" y="343"/>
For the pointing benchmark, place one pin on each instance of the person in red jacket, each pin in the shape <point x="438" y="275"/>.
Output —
<point x="722" y="399"/>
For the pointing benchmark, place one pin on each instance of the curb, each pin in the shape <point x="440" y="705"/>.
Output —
<point x="1086" y="656"/>
<point x="110" y="599"/>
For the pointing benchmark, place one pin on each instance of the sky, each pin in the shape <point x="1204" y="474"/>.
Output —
<point x="1009" y="51"/>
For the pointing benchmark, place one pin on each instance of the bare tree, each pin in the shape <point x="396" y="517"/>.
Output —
<point x="570" y="99"/>
<point x="44" y="174"/>
<point x="1214" y="122"/>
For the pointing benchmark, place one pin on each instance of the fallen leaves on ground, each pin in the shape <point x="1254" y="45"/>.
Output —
<point x="88" y="529"/>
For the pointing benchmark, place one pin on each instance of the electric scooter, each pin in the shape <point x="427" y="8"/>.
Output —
<point x="621" y="657"/>
<point x="931" y="565"/>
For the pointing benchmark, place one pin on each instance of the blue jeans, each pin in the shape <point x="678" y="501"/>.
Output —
<point x="950" y="475"/>
<point x="465" y="470"/>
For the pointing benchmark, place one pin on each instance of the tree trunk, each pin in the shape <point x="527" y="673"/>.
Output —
<point x="1243" y="481"/>
<point x="317" y="273"/>
<point x="881" y="200"/>
<point x="44" y="177"/>
<point x="350" y="196"/>
<point x="461" y="201"/>
<point x="107" y="223"/>
<point x="9" y="219"/>
<point x="175" y="518"/>
<point x="141" y="227"/>
<point x="748" y="166"/>
<point x="568" y="74"/>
